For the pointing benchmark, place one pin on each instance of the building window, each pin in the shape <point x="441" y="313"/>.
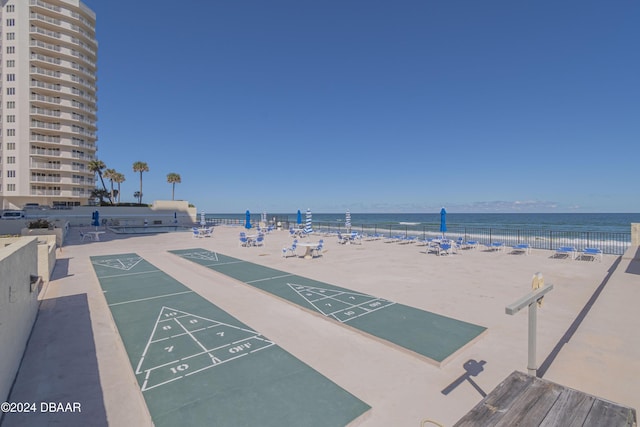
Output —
<point x="11" y="119"/>
<point x="11" y="22"/>
<point x="11" y="36"/>
<point x="11" y="91"/>
<point x="11" y="77"/>
<point x="11" y="8"/>
<point x="11" y="49"/>
<point x="11" y="145"/>
<point x="11" y="160"/>
<point x="11" y="63"/>
<point x="11" y="187"/>
<point x="11" y="174"/>
<point x="11" y="132"/>
<point x="11" y="104"/>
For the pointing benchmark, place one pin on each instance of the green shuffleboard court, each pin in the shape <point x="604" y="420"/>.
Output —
<point x="428" y="334"/>
<point x="197" y="365"/>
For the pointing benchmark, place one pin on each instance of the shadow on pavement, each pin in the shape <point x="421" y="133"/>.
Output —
<point x="59" y="370"/>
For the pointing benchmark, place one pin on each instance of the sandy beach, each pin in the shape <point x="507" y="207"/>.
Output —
<point x="601" y="357"/>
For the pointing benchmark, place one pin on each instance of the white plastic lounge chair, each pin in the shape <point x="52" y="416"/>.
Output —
<point x="259" y="240"/>
<point x="317" y="251"/>
<point x="244" y="240"/>
<point x="86" y="236"/>
<point x="196" y="232"/>
<point x="432" y="246"/>
<point x="566" y="252"/>
<point x="522" y="248"/>
<point x="290" y="250"/>
<point x="208" y="232"/>
<point x="445" y="248"/>
<point x="592" y="253"/>
<point x="471" y="244"/>
<point x="495" y="246"/>
<point x="342" y="239"/>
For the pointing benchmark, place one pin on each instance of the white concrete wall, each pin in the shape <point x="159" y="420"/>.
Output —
<point x="635" y="234"/>
<point x="18" y="306"/>
<point x="161" y="210"/>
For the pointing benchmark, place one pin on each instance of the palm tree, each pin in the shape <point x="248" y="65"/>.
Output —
<point x="140" y="167"/>
<point x="119" y="179"/>
<point x="110" y="174"/>
<point x="173" y="178"/>
<point x="96" y="166"/>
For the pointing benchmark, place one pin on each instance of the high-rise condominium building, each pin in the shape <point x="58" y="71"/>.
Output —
<point x="48" y="100"/>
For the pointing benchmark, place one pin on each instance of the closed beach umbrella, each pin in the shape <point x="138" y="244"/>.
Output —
<point x="263" y="217"/>
<point x="443" y="221"/>
<point x="175" y="217"/>
<point x="203" y="222"/>
<point x="307" y="224"/>
<point x="299" y="218"/>
<point x="347" y="221"/>
<point x="247" y="223"/>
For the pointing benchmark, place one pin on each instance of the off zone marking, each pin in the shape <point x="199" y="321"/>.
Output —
<point x="183" y="344"/>
<point x="340" y="305"/>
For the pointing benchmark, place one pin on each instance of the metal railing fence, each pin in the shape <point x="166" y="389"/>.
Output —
<point x="550" y="239"/>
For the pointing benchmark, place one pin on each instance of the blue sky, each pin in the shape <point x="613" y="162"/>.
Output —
<point x="374" y="106"/>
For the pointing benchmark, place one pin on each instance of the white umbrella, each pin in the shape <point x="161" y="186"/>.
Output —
<point x="347" y="221"/>
<point x="203" y="222"/>
<point x="307" y="226"/>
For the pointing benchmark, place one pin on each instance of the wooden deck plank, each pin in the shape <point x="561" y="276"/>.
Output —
<point x="604" y="413"/>
<point x="494" y="406"/>
<point x="570" y="410"/>
<point x="524" y="400"/>
<point x="532" y="405"/>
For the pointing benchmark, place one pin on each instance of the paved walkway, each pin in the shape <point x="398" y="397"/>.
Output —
<point x="75" y="353"/>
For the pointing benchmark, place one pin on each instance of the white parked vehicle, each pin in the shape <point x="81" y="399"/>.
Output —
<point x="13" y="215"/>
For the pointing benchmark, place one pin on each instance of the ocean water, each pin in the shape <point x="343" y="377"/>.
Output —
<point x="587" y="222"/>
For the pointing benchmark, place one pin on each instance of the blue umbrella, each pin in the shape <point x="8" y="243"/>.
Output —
<point x="96" y="219"/>
<point x="443" y="221"/>
<point x="299" y="219"/>
<point x="247" y="223"/>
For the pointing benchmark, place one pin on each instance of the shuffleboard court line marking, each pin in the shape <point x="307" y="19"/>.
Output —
<point x="155" y="325"/>
<point x="126" y="263"/>
<point x="269" y="278"/>
<point x="235" y="348"/>
<point x="224" y="263"/>
<point x="370" y="299"/>
<point x="202" y="254"/>
<point x="362" y="314"/>
<point x="131" y="274"/>
<point x="149" y="298"/>
<point x="214" y="359"/>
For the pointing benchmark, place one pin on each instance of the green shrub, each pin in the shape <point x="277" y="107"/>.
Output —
<point x="39" y="223"/>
